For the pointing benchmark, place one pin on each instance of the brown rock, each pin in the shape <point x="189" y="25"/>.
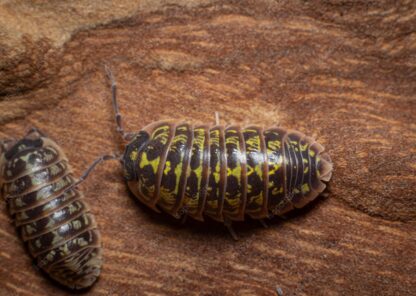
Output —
<point x="344" y="72"/>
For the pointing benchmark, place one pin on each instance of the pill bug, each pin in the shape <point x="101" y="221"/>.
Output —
<point x="49" y="212"/>
<point x="224" y="173"/>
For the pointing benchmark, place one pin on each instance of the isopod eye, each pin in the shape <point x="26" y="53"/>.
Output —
<point x="131" y="155"/>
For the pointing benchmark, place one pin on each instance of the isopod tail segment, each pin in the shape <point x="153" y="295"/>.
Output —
<point x="224" y="173"/>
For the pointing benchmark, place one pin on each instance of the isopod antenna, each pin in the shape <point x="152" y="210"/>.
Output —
<point x="125" y="135"/>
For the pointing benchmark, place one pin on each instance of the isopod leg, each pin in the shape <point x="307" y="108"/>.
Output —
<point x="184" y="218"/>
<point x="263" y="223"/>
<point x="217" y="118"/>
<point x="279" y="291"/>
<point x="230" y="228"/>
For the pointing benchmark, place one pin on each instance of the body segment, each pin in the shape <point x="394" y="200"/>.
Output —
<point x="51" y="216"/>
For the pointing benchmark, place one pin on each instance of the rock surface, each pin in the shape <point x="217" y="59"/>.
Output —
<point x="342" y="72"/>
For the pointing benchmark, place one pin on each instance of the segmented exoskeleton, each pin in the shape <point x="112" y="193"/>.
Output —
<point x="49" y="212"/>
<point x="222" y="172"/>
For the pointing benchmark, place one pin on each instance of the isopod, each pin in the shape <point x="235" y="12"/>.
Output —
<point x="49" y="212"/>
<point x="224" y="173"/>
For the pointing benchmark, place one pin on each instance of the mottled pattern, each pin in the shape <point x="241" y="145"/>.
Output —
<point x="196" y="182"/>
<point x="32" y="182"/>
<point x="149" y="162"/>
<point x="235" y="194"/>
<point x="225" y="173"/>
<point x="275" y="157"/>
<point x="174" y="171"/>
<point x="215" y="190"/>
<point x="256" y="177"/>
<point x="54" y="221"/>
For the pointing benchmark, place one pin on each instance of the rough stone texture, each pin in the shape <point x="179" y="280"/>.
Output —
<point x="344" y="72"/>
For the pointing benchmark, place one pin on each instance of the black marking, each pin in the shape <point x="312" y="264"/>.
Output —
<point x="137" y="144"/>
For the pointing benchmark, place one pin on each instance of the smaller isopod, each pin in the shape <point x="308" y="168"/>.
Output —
<point x="49" y="212"/>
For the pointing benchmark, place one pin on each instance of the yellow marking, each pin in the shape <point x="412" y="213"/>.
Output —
<point x="50" y="223"/>
<point x="276" y="191"/>
<point x="50" y="256"/>
<point x="318" y="159"/>
<point x="256" y="200"/>
<point x="23" y="216"/>
<point x="277" y="163"/>
<point x="25" y="158"/>
<point x="253" y="145"/>
<point x="30" y="229"/>
<point x="215" y="140"/>
<point x="178" y="172"/>
<point x="48" y="156"/>
<point x="198" y="172"/>
<point x="72" y="209"/>
<point x="294" y="144"/>
<point x="179" y="138"/>
<point x="19" y="202"/>
<point x="38" y="244"/>
<point x="64" y="249"/>
<point x="303" y="147"/>
<point x="55" y="170"/>
<point x="216" y="173"/>
<point x="274" y="145"/>
<point x="163" y="136"/>
<point x="199" y="141"/>
<point x="306" y="170"/>
<point x="163" y="128"/>
<point x="234" y="202"/>
<point x="215" y="137"/>
<point x="233" y="139"/>
<point x="82" y="242"/>
<point x="144" y="161"/>
<point x="312" y="153"/>
<point x="133" y="155"/>
<point x="213" y="204"/>
<point x="167" y="168"/>
<point x="305" y="188"/>
<point x="77" y="224"/>
<point x="168" y="196"/>
<point x="235" y="172"/>
<point x="256" y="169"/>
<point x="275" y="168"/>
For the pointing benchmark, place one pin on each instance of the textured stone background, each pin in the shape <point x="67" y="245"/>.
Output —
<point x="344" y="72"/>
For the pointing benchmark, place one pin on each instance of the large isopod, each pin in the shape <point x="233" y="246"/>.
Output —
<point x="223" y="172"/>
